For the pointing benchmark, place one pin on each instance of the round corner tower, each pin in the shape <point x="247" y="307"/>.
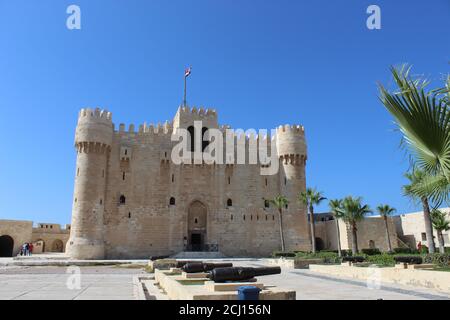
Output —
<point x="93" y="140"/>
<point x="292" y="152"/>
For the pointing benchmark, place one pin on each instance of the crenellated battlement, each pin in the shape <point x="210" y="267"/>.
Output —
<point x="94" y="126"/>
<point x="291" y="145"/>
<point x="95" y="113"/>
<point x="201" y="111"/>
<point x="296" y="128"/>
<point x="158" y="129"/>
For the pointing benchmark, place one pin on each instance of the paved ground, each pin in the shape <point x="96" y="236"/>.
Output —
<point x="109" y="282"/>
<point x="314" y="286"/>
<point x="49" y="283"/>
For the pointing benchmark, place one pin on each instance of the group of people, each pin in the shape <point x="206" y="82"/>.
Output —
<point x="26" y="249"/>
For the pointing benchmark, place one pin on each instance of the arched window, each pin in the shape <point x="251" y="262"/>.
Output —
<point x="172" y="201"/>
<point x="192" y="139"/>
<point x="204" y="143"/>
<point x="122" y="199"/>
<point x="229" y="203"/>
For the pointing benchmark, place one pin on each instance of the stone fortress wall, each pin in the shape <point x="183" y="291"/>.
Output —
<point x="46" y="237"/>
<point x="131" y="200"/>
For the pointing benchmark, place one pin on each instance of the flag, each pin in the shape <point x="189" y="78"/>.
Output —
<point x="187" y="72"/>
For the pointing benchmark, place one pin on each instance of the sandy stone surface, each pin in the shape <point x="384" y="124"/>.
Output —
<point x="111" y="282"/>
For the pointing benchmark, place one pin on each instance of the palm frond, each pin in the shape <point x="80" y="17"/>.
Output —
<point x="423" y="118"/>
<point x="385" y="210"/>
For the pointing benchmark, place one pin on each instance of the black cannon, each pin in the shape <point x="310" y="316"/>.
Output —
<point x="353" y="259"/>
<point x="181" y="264"/>
<point x="409" y="259"/>
<point x="194" y="267"/>
<point x="240" y="273"/>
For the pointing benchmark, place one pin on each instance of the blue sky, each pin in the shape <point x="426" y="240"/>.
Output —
<point x="259" y="63"/>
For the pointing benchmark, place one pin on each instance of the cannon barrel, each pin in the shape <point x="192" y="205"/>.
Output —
<point x="180" y="264"/>
<point x="240" y="273"/>
<point x="194" y="267"/>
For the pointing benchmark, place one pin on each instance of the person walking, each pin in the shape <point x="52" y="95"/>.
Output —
<point x="30" y="248"/>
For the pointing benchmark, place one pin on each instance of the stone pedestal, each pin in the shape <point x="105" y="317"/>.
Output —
<point x="229" y="286"/>
<point x="197" y="275"/>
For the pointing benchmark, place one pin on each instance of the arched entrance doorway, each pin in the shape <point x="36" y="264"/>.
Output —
<point x="197" y="216"/>
<point x="6" y="246"/>
<point x="320" y="245"/>
<point x="57" y="246"/>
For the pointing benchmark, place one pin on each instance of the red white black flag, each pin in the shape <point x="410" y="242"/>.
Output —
<point x="187" y="72"/>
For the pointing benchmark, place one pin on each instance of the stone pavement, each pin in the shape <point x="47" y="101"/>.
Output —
<point x="50" y="283"/>
<point x="109" y="282"/>
<point x="314" y="286"/>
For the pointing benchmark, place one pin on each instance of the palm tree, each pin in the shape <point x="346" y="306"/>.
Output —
<point x="310" y="198"/>
<point x="352" y="211"/>
<point x="280" y="202"/>
<point x="334" y="205"/>
<point x="440" y="223"/>
<point x="423" y="117"/>
<point x="385" y="211"/>
<point x="416" y="177"/>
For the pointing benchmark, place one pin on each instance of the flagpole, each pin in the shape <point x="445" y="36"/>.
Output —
<point x="184" y="100"/>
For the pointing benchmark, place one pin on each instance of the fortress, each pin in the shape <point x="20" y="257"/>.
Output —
<point x="132" y="201"/>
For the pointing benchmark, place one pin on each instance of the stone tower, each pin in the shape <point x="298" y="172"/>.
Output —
<point x="93" y="140"/>
<point x="291" y="148"/>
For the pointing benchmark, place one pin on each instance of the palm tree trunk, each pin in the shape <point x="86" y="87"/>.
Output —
<point x="338" y="235"/>
<point x="280" y="216"/>
<point x="441" y="242"/>
<point x="354" y="239"/>
<point x="313" y="229"/>
<point x="388" y="236"/>
<point x="428" y="225"/>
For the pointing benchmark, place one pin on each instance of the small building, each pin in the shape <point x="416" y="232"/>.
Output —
<point x="411" y="229"/>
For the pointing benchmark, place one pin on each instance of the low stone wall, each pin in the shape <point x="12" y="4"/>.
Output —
<point x="437" y="280"/>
